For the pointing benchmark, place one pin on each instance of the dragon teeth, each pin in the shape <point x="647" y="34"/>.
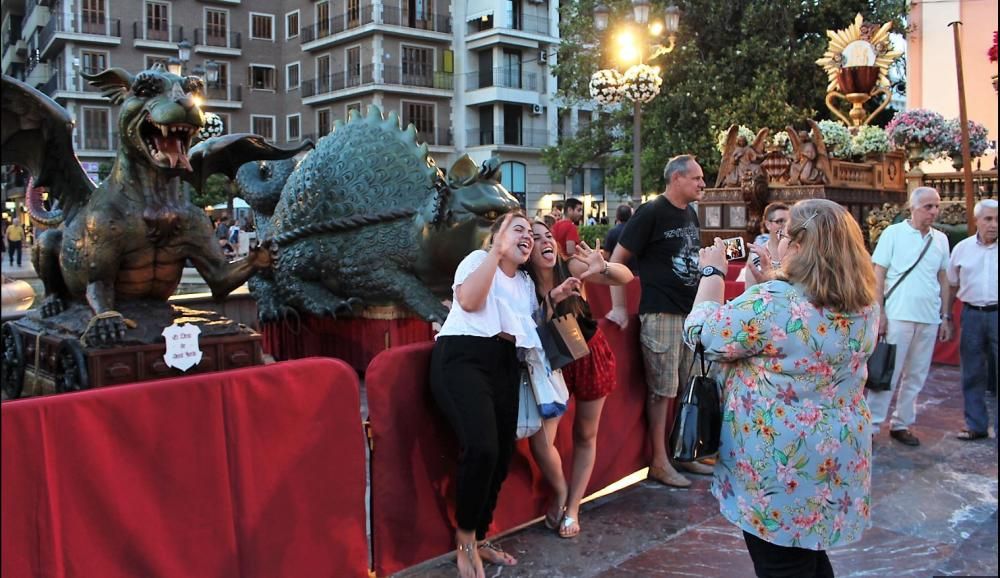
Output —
<point x="164" y="129"/>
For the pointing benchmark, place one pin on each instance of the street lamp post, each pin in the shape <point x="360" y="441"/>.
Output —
<point x="177" y="64"/>
<point x="635" y="49"/>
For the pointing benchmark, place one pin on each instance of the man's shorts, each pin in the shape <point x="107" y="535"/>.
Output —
<point x="665" y="357"/>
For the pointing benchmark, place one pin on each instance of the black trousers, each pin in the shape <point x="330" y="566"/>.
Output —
<point x="773" y="561"/>
<point x="475" y="383"/>
<point x="14" y="248"/>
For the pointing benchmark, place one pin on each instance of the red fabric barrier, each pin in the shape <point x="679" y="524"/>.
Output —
<point x="947" y="352"/>
<point x="355" y="340"/>
<point x="252" y="472"/>
<point x="599" y="297"/>
<point x="410" y="435"/>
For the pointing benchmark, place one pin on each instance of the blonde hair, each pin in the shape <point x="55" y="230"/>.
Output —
<point x="831" y="262"/>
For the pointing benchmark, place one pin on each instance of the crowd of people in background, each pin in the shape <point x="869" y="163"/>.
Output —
<point x="790" y="353"/>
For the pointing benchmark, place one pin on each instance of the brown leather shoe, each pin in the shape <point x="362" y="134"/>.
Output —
<point x="667" y="477"/>
<point x="905" y="437"/>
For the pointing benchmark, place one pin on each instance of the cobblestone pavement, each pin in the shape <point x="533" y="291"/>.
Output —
<point x="934" y="513"/>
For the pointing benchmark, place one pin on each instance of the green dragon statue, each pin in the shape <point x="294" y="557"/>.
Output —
<point x="129" y="237"/>
<point x="366" y="218"/>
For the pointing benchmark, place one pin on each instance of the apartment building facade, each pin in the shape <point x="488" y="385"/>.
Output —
<point x="472" y="77"/>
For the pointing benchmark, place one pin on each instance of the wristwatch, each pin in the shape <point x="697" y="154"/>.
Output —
<point x="710" y="270"/>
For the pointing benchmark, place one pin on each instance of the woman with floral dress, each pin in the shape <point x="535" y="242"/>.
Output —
<point x="794" y="470"/>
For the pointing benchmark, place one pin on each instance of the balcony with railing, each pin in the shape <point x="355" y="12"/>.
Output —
<point x="208" y="38"/>
<point x="106" y="31"/>
<point x="332" y="82"/>
<point x="394" y="16"/>
<point x="522" y="23"/>
<point x="224" y="92"/>
<point x="507" y="137"/>
<point x="422" y="76"/>
<point x="171" y="34"/>
<point x="337" y="24"/>
<point x="96" y="141"/>
<point x="437" y="137"/>
<point x="58" y="82"/>
<point x="503" y="77"/>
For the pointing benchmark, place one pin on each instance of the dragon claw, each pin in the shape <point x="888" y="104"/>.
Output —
<point x="106" y="330"/>
<point x="53" y="306"/>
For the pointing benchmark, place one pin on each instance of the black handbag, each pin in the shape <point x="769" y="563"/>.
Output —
<point x="562" y="339"/>
<point x="881" y="365"/>
<point x="698" y="425"/>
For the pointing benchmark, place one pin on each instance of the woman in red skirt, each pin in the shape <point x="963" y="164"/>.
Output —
<point x="590" y="378"/>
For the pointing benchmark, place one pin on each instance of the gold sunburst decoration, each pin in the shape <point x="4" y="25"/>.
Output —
<point x="859" y="44"/>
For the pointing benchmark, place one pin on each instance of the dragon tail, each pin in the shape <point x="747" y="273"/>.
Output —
<point x="37" y="212"/>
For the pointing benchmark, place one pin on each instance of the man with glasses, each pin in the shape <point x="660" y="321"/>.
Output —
<point x="664" y="235"/>
<point x="911" y="261"/>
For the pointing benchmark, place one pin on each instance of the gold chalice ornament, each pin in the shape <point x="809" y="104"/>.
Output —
<point x="857" y="63"/>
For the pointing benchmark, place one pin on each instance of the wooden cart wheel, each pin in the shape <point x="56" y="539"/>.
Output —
<point x="13" y="361"/>
<point x="71" y="367"/>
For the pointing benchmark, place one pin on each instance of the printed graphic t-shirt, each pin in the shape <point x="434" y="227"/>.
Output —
<point x="665" y="240"/>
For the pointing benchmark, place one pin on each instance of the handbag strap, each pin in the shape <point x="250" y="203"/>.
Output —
<point x="699" y="353"/>
<point x="927" y="245"/>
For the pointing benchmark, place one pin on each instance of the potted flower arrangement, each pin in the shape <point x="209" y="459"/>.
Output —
<point x="917" y="130"/>
<point x="606" y="86"/>
<point x="951" y="141"/>
<point x="837" y="138"/>
<point x="720" y="137"/>
<point x="642" y="83"/>
<point x="869" y="140"/>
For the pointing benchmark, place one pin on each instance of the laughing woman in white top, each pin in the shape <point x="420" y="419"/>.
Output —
<point x="474" y="378"/>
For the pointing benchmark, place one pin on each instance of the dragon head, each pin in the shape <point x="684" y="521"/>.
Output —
<point x="160" y="114"/>
<point x="460" y="217"/>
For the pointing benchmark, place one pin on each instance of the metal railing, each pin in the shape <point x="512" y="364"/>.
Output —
<point x="339" y="81"/>
<point x="75" y="83"/>
<point x="96" y="142"/>
<point x="418" y="75"/>
<point x="501" y="136"/>
<point x="439" y="136"/>
<point x="503" y="77"/>
<point x="434" y="22"/>
<point x="111" y="27"/>
<point x="230" y="92"/>
<point x="205" y="37"/>
<point x="168" y="34"/>
<point x="336" y="24"/>
<point x="504" y="21"/>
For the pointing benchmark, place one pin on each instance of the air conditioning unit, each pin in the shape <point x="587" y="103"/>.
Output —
<point x="543" y="57"/>
<point x="537" y="109"/>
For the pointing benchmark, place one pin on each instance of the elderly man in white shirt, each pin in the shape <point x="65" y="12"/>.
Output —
<point x="972" y="273"/>
<point x="911" y="260"/>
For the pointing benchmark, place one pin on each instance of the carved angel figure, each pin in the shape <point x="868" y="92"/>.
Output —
<point x="740" y="158"/>
<point x="812" y="164"/>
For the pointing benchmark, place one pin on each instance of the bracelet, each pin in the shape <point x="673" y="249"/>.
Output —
<point x="946" y="317"/>
<point x="606" y="267"/>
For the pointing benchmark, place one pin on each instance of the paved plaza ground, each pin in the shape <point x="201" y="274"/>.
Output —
<point x="934" y="513"/>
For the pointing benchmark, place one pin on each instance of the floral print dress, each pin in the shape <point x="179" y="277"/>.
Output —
<point x="795" y="460"/>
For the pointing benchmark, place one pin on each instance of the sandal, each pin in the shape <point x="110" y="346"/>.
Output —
<point x="553" y="523"/>
<point x="969" y="435"/>
<point x="494" y="554"/>
<point x="569" y="528"/>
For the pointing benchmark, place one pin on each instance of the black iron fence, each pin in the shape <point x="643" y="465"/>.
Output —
<point x="418" y="75"/>
<point x="74" y="23"/>
<point x="508" y="137"/>
<point x="339" y="81"/>
<point x="503" y="77"/>
<point x="431" y="21"/>
<point x="207" y="37"/>
<point x="140" y="31"/>
<point x="335" y="24"/>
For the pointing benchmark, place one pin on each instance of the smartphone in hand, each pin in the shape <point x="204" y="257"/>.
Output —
<point x="736" y="248"/>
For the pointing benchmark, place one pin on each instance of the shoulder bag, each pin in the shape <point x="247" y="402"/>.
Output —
<point x="698" y="426"/>
<point x="561" y="338"/>
<point x="528" y="419"/>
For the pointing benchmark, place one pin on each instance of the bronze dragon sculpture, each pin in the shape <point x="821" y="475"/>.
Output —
<point x="129" y="237"/>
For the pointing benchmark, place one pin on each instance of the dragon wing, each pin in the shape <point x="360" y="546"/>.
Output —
<point x="822" y="159"/>
<point x="37" y="134"/>
<point x="226" y="154"/>
<point x="727" y="155"/>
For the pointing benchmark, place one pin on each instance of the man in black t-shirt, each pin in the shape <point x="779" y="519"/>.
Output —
<point x="663" y="235"/>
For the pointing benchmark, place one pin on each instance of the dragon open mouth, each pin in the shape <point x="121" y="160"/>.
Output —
<point x="167" y="144"/>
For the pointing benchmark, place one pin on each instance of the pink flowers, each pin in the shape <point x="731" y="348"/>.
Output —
<point x="917" y="126"/>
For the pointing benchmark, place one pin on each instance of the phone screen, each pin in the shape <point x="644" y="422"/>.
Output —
<point x="735" y="248"/>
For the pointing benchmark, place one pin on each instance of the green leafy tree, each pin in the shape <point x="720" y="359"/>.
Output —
<point x="736" y="62"/>
<point x="214" y="192"/>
